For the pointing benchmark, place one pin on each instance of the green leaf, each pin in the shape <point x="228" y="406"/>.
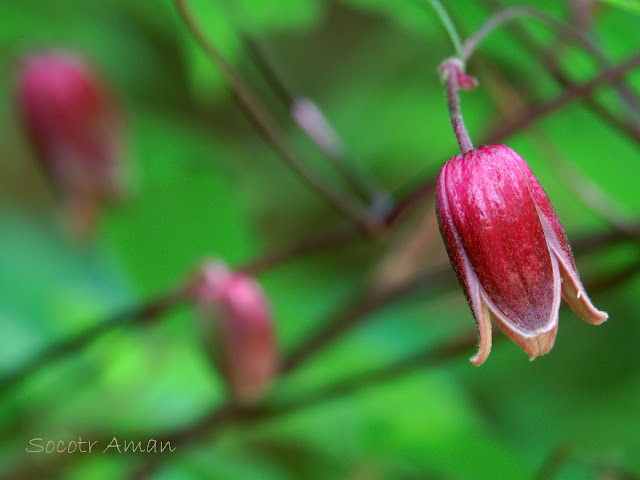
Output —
<point x="630" y="5"/>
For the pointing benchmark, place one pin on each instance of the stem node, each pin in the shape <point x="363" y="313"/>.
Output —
<point x="454" y="76"/>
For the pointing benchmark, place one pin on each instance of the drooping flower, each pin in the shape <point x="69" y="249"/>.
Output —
<point x="75" y="128"/>
<point x="508" y="248"/>
<point x="237" y="327"/>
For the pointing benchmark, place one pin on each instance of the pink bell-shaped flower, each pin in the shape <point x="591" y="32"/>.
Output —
<point x="237" y="329"/>
<point x="75" y="129"/>
<point x="508" y="248"/>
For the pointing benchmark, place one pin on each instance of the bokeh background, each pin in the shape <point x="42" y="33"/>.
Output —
<point x="205" y="184"/>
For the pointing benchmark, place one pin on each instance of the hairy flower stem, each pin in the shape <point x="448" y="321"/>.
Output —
<point x="451" y="70"/>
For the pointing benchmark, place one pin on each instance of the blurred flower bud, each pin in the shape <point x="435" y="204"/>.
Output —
<point x="313" y="122"/>
<point x="237" y="328"/>
<point x="508" y="248"/>
<point x="74" y="126"/>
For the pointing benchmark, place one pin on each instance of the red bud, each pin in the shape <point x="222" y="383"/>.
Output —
<point x="238" y="329"/>
<point x="508" y="247"/>
<point x="74" y="126"/>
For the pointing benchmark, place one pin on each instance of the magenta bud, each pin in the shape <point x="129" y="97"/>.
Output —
<point x="508" y="248"/>
<point x="74" y="126"/>
<point x="238" y="329"/>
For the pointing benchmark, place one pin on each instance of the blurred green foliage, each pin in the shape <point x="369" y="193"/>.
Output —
<point x="207" y="185"/>
<point x="631" y="5"/>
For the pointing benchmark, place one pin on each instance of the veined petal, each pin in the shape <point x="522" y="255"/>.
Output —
<point x="572" y="289"/>
<point x="501" y="233"/>
<point x="540" y="343"/>
<point x="465" y="274"/>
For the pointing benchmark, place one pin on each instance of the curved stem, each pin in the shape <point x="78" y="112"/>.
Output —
<point x="510" y="14"/>
<point x="569" y="32"/>
<point x="451" y="70"/>
<point x="612" y="74"/>
<point x="226" y="414"/>
<point x="549" y="59"/>
<point x="448" y="25"/>
<point x="317" y="126"/>
<point x="164" y="302"/>
<point x="146" y="312"/>
<point x="269" y="129"/>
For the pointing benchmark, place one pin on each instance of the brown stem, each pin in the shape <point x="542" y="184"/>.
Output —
<point x="334" y="150"/>
<point x="156" y="307"/>
<point x="311" y="245"/>
<point x="556" y="459"/>
<point x="227" y="413"/>
<point x="509" y="101"/>
<point x="263" y="121"/>
<point x="138" y="315"/>
<point x="549" y="59"/>
<point x="572" y="34"/>
<point x="414" y="196"/>
<point x="609" y="75"/>
<point x="273" y="79"/>
<point x="358" y="308"/>
<point x="517" y="13"/>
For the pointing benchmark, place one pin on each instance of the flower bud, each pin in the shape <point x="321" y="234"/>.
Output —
<point x="238" y="331"/>
<point x="508" y="248"/>
<point x="313" y="122"/>
<point x="74" y="127"/>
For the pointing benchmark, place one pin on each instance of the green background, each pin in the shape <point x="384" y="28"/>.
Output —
<point x="206" y="185"/>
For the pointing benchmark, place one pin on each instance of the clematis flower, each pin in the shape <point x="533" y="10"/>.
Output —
<point x="74" y="126"/>
<point x="508" y="248"/>
<point x="237" y="327"/>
